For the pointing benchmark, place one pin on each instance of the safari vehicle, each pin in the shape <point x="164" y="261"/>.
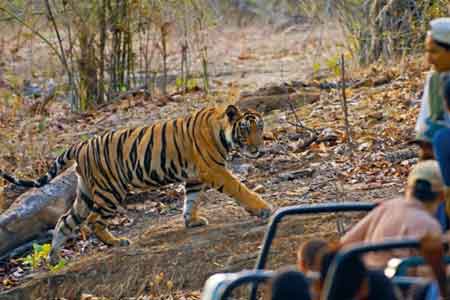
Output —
<point x="222" y="285"/>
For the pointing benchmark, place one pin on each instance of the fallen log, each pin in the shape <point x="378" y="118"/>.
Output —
<point x="36" y="211"/>
<point x="268" y="103"/>
<point x="400" y="155"/>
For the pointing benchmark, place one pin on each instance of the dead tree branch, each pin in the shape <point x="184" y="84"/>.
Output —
<point x="35" y="32"/>
<point x="345" y="107"/>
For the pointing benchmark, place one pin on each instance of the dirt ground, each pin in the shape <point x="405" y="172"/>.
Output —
<point x="185" y="257"/>
<point x="168" y="261"/>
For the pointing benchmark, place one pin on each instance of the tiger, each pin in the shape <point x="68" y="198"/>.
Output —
<point x="193" y="150"/>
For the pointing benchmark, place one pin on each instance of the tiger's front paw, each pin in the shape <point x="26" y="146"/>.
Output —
<point x="263" y="213"/>
<point x="119" y="242"/>
<point x="199" y="221"/>
<point x="123" y="242"/>
<point x="85" y="232"/>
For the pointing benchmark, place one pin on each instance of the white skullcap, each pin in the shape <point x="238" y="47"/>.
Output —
<point x="440" y="30"/>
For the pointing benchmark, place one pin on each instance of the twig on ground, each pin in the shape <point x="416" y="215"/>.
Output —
<point x="345" y="108"/>
<point x="299" y="123"/>
<point x="139" y="90"/>
<point x="313" y="133"/>
<point x="339" y="186"/>
<point x="339" y="216"/>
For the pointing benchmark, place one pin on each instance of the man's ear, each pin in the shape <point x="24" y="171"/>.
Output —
<point x="441" y="196"/>
<point x="232" y="113"/>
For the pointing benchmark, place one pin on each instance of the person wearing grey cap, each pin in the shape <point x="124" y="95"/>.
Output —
<point x="433" y="122"/>
<point x="410" y="216"/>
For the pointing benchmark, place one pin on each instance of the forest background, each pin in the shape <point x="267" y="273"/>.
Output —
<point x="72" y="69"/>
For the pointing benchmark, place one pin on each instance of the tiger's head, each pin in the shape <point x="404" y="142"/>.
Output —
<point x="242" y="131"/>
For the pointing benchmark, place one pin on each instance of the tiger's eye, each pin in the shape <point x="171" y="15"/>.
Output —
<point x="260" y="124"/>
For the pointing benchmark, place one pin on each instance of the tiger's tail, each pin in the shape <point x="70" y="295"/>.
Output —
<point x="55" y="169"/>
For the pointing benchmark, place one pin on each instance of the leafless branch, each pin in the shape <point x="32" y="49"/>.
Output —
<point x="345" y="108"/>
<point x="298" y="123"/>
<point x="35" y="32"/>
<point x="62" y="55"/>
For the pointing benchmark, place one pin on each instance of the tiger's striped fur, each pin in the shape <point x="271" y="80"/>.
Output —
<point x="193" y="150"/>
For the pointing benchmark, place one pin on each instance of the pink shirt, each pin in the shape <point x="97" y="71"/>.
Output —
<point x="392" y="220"/>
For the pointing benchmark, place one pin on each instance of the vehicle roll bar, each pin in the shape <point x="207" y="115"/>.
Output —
<point x="342" y="256"/>
<point x="301" y="210"/>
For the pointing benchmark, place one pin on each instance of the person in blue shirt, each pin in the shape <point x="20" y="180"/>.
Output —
<point x="441" y="149"/>
<point x="433" y="123"/>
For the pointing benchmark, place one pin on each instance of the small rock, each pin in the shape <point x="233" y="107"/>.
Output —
<point x="178" y="98"/>
<point x="400" y="155"/>
<point x="276" y="148"/>
<point x="294" y="136"/>
<point x="291" y="175"/>
<point x="328" y="135"/>
<point x="259" y="189"/>
<point x="263" y="165"/>
<point x="316" y="113"/>
<point x="90" y="297"/>
<point x="31" y="89"/>
<point x="364" y="146"/>
<point x="340" y="149"/>
<point x="242" y="169"/>
<point x="292" y="146"/>
<point x="378" y="115"/>
<point x="18" y="273"/>
<point x="409" y="162"/>
<point x="268" y="136"/>
<point x="282" y="119"/>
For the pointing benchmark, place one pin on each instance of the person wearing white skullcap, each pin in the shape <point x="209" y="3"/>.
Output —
<point x="433" y="123"/>
<point x="437" y="46"/>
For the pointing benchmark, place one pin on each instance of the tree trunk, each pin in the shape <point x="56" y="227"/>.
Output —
<point x="395" y="27"/>
<point x="88" y="68"/>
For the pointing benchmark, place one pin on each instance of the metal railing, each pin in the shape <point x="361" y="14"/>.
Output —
<point x="301" y="210"/>
<point x="254" y="277"/>
<point x="342" y="256"/>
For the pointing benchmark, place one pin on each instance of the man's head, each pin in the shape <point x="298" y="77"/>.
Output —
<point x="437" y="44"/>
<point x="425" y="183"/>
<point x="353" y="280"/>
<point x="307" y="255"/>
<point x="289" y="284"/>
<point x="342" y="287"/>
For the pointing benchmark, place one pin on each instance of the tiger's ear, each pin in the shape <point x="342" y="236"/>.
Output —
<point x="259" y="111"/>
<point x="232" y="113"/>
